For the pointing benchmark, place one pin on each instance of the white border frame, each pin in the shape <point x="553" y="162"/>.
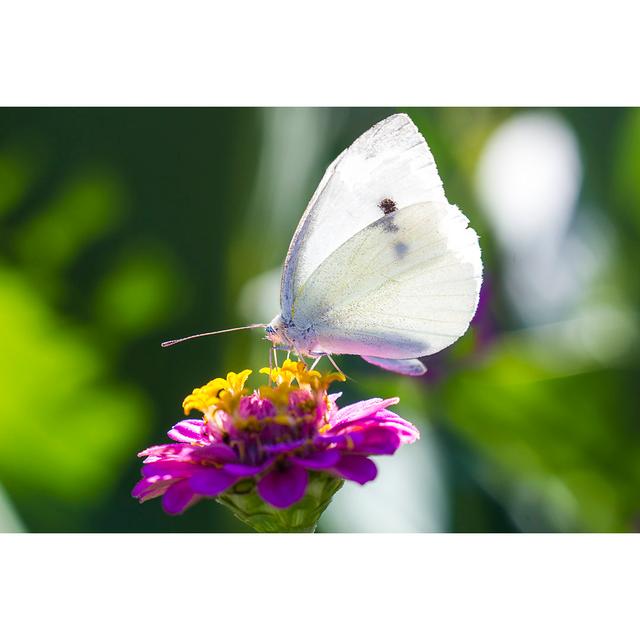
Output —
<point x="289" y="53"/>
<point x="319" y="586"/>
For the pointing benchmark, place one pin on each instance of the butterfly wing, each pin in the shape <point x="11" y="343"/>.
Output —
<point x="405" y="286"/>
<point x="409" y="367"/>
<point x="389" y="166"/>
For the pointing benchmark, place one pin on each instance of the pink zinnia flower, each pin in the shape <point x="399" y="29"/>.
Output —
<point x="272" y="443"/>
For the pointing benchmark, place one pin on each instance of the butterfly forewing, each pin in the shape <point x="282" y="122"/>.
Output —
<point x="387" y="168"/>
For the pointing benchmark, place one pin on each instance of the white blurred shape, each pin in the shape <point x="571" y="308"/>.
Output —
<point x="294" y="142"/>
<point x="408" y="496"/>
<point x="528" y="180"/>
<point x="259" y="299"/>
<point x="604" y="333"/>
<point x="598" y="334"/>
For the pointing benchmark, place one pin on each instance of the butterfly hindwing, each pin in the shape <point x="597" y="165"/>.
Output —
<point x="405" y="286"/>
<point x="409" y="367"/>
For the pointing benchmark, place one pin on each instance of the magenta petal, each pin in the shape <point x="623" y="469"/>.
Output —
<point x="211" y="482"/>
<point x="178" y="497"/>
<point x="378" y="440"/>
<point x="360" y="410"/>
<point x="406" y="431"/>
<point x="214" y="452"/>
<point x="168" y="469"/>
<point x="142" y="486"/>
<point x="283" y="488"/>
<point x="163" y="451"/>
<point x="318" y="459"/>
<point x="372" y="441"/>
<point x="187" y="431"/>
<point x="246" y="470"/>
<point x="357" y="468"/>
<point x="147" y="489"/>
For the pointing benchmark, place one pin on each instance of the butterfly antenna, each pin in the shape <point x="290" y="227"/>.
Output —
<point x="170" y="343"/>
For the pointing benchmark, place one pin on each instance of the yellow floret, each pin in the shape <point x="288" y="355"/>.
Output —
<point x="290" y="371"/>
<point x="216" y="392"/>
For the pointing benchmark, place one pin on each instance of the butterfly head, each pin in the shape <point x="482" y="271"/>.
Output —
<point x="286" y="334"/>
<point x="275" y="332"/>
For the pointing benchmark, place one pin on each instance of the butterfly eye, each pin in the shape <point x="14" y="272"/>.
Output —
<point x="270" y="330"/>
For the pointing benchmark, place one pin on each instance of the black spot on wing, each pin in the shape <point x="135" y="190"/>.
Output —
<point x="388" y="206"/>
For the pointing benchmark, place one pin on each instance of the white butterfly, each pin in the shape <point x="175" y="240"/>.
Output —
<point x="381" y="265"/>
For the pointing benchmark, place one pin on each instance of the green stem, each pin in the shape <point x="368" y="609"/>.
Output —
<point x="302" y="517"/>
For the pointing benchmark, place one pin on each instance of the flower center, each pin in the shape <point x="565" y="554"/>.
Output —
<point x="273" y="420"/>
<point x="261" y="427"/>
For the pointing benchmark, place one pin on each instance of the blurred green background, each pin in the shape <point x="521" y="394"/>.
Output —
<point x="123" y="227"/>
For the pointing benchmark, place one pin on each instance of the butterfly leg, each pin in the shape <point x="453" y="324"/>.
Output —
<point x="315" y="362"/>
<point x="332" y="361"/>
